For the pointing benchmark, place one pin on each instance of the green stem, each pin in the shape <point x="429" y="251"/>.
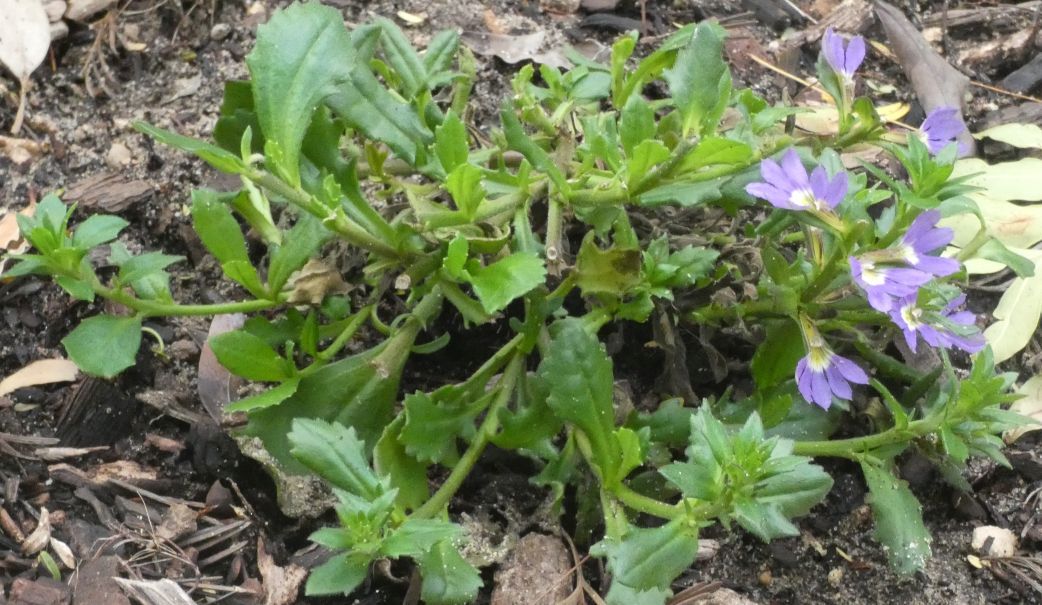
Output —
<point x="488" y="427"/>
<point x="345" y="335"/>
<point x="644" y="504"/>
<point x="856" y="446"/>
<point x="339" y="223"/>
<point x="153" y="308"/>
<point x="666" y="169"/>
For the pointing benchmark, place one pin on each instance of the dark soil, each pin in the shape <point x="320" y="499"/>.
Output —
<point x="175" y="81"/>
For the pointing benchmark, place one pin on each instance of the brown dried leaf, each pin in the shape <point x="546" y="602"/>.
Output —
<point x="514" y="49"/>
<point x="64" y="553"/>
<point x="215" y="383"/>
<point x="44" y="371"/>
<point x="41" y="536"/>
<point x="314" y="282"/>
<point x="281" y="584"/>
<point x="936" y="83"/>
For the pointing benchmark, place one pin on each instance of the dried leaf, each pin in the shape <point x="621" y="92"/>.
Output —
<point x="215" y="382"/>
<point x="44" y="371"/>
<point x="314" y="282"/>
<point x="936" y="83"/>
<point x="41" y="536"/>
<point x="514" y="49"/>
<point x="281" y="584"/>
<point x="412" y="19"/>
<point x="64" y="553"/>
<point x="1017" y="135"/>
<point x="159" y="592"/>
<point x="25" y="36"/>
<point x="1029" y="405"/>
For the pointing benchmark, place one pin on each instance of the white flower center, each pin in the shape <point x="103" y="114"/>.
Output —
<point x="819" y="359"/>
<point x="912" y="315"/>
<point x="909" y="255"/>
<point x="870" y="275"/>
<point x="804" y="198"/>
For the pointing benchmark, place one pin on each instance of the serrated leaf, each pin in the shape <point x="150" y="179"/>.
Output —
<point x="249" y="356"/>
<point x="368" y="107"/>
<point x="465" y="186"/>
<point x="96" y="230"/>
<point x="700" y="81"/>
<point x="447" y="578"/>
<point x="339" y="575"/>
<point x="636" y="124"/>
<point x="899" y="519"/>
<point x="292" y="71"/>
<point x="336" y="454"/>
<point x="644" y="157"/>
<point x="652" y="558"/>
<point x="219" y="158"/>
<point x="763" y="520"/>
<point x="450" y="143"/>
<point x="578" y="375"/>
<point x="612" y="271"/>
<point x="402" y="57"/>
<point x="434" y="423"/>
<point x="407" y="474"/>
<point x="416" y="537"/>
<point x="506" y="279"/>
<point x="104" y="345"/>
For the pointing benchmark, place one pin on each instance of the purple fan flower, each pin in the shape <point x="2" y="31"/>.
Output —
<point x="789" y="186"/>
<point x="882" y="284"/>
<point x="944" y="329"/>
<point x="822" y="374"/>
<point x="940" y="128"/>
<point x="844" y="58"/>
<point x="898" y="271"/>
<point x="922" y="239"/>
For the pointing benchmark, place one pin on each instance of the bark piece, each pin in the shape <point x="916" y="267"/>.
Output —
<point x="108" y="191"/>
<point x="95" y="413"/>
<point x="43" y="591"/>
<point x="1026" y="77"/>
<point x="95" y="583"/>
<point x="850" y="17"/>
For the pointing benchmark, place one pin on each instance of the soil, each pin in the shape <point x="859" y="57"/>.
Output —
<point x="166" y="64"/>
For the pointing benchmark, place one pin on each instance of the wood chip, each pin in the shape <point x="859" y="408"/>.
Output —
<point x="108" y="192"/>
<point x="159" y="592"/>
<point x="43" y="371"/>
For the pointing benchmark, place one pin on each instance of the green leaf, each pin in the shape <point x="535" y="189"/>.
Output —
<point x="506" y="279"/>
<point x="301" y="243"/>
<point x="712" y="151"/>
<point x="995" y="250"/>
<point x="647" y="559"/>
<point x="272" y="396"/>
<point x="447" y="578"/>
<point x="97" y="230"/>
<point x="536" y="155"/>
<point x="369" y="108"/>
<point x="682" y="194"/>
<point x="79" y="289"/>
<point x="613" y="271"/>
<point x="792" y="484"/>
<point x="636" y="124"/>
<point x="358" y="391"/>
<point x="292" y="70"/>
<point x="775" y="359"/>
<point x="137" y="267"/>
<point x="898" y="517"/>
<point x="578" y="375"/>
<point x="339" y="575"/>
<point x="213" y="155"/>
<point x="336" y="454"/>
<point x="104" y="345"/>
<point x="433" y="422"/>
<point x="645" y="156"/>
<point x="451" y="143"/>
<point x="402" y="57"/>
<point x="220" y="232"/>
<point x="439" y="54"/>
<point x="465" y="186"/>
<point x="764" y="521"/>
<point x="700" y="81"/>
<point x="415" y="537"/>
<point x="249" y="356"/>
<point x="407" y="474"/>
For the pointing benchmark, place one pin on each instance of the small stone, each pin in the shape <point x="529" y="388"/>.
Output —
<point x="835" y="576"/>
<point x="220" y="31"/>
<point x="80" y="10"/>
<point x="765" y="578"/>
<point x="183" y="350"/>
<point x="992" y="541"/>
<point x="725" y="596"/>
<point x="118" y="156"/>
<point x="55" y="10"/>
<point x="43" y="591"/>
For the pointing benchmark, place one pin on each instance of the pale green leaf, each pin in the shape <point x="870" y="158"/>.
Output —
<point x="1017" y="135"/>
<point x="899" y="519"/>
<point x="104" y="345"/>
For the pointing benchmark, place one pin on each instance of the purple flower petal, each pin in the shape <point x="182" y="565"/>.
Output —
<point x="820" y="388"/>
<point x="855" y="55"/>
<point x="850" y="370"/>
<point x="939" y="266"/>
<point x="837" y="384"/>
<point x="837" y="190"/>
<point x="794" y="169"/>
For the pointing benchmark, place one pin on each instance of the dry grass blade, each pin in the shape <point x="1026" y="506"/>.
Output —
<point x="159" y="592"/>
<point x="1027" y="570"/>
<point x="693" y="593"/>
<point x="43" y="371"/>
